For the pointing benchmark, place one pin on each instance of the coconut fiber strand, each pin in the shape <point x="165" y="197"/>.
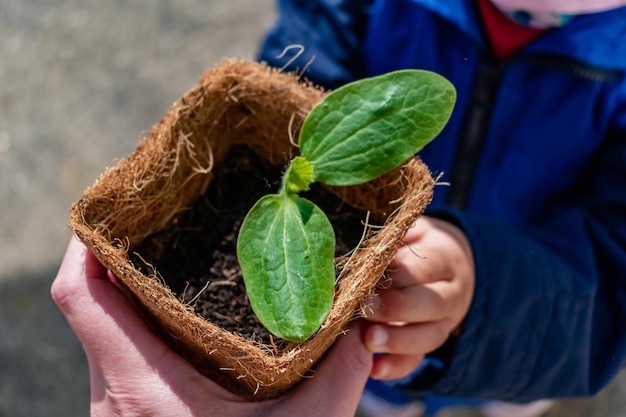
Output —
<point x="245" y="103"/>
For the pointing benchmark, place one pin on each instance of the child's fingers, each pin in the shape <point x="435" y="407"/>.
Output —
<point x="418" y="229"/>
<point x="408" y="339"/>
<point x="413" y="266"/>
<point x="416" y="304"/>
<point x="388" y="367"/>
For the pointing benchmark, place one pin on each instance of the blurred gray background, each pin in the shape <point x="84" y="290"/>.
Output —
<point x="79" y="82"/>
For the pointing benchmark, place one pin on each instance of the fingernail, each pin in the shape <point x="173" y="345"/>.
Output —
<point x="372" y="304"/>
<point x="112" y="278"/>
<point x="379" y="337"/>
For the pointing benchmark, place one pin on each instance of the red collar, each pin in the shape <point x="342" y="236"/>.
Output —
<point x="506" y="37"/>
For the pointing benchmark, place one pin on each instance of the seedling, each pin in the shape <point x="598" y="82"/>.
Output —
<point x="286" y="245"/>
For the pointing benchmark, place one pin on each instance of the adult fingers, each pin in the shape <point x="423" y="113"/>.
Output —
<point x="78" y="263"/>
<point x="103" y="319"/>
<point x="337" y="383"/>
<point x="70" y="289"/>
<point x="93" y="307"/>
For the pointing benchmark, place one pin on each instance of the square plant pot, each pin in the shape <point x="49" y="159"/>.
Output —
<point x="150" y="219"/>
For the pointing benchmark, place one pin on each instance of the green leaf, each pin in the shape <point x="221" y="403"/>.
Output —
<point x="299" y="176"/>
<point x="360" y="131"/>
<point x="286" y="249"/>
<point x="366" y="128"/>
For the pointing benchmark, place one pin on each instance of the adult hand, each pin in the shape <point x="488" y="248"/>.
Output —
<point x="430" y="291"/>
<point x="122" y="353"/>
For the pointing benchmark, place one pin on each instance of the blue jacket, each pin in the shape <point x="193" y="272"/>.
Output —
<point x="535" y="154"/>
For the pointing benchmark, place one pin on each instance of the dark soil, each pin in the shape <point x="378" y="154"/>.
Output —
<point x="196" y="254"/>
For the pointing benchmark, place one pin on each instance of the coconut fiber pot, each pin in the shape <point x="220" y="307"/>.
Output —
<point x="164" y="219"/>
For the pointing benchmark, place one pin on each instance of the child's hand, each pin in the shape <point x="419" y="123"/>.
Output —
<point x="432" y="284"/>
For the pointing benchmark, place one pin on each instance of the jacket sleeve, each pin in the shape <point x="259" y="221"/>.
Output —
<point x="548" y="318"/>
<point x="331" y="34"/>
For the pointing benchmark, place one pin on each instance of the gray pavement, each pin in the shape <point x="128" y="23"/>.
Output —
<point x="79" y="82"/>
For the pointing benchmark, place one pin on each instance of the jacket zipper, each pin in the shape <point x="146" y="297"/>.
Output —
<point x="482" y="100"/>
<point x="474" y="130"/>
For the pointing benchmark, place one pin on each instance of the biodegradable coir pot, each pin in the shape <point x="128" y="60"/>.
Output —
<point x="146" y="219"/>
